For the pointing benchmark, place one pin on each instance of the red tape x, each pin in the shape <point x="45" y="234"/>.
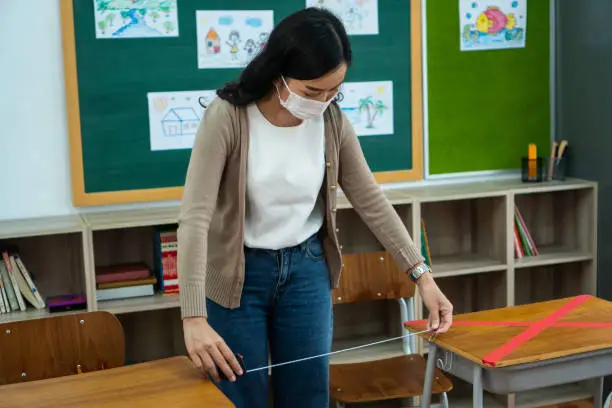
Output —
<point x="533" y="328"/>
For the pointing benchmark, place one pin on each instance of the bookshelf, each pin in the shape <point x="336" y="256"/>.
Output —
<point x="470" y="231"/>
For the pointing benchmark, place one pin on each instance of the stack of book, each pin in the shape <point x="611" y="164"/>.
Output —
<point x="124" y="281"/>
<point x="165" y="248"/>
<point x="523" y="241"/>
<point x="16" y="285"/>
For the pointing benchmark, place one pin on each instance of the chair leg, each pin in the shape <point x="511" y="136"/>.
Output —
<point x="444" y="397"/>
<point x="406" y="313"/>
<point x="429" y="375"/>
<point x="339" y="404"/>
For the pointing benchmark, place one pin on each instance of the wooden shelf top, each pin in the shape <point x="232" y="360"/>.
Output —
<point x="31" y="314"/>
<point x="132" y="218"/>
<point x="29" y="227"/>
<point x="150" y="216"/>
<point x="456" y="265"/>
<point x="565" y="331"/>
<point x="494" y="188"/>
<point x="553" y="256"/>
<point x="128" y="386"/>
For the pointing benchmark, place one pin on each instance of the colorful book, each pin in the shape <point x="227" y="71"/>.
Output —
<point x="125" y="293"/>
<point x="166" y="250"/>
<point x="122" y="272"/>
<point x="425" y="244"/>
<point x="524" y="244"/>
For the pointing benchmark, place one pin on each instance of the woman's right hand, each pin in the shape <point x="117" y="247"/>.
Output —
<point x="208" y="351"/>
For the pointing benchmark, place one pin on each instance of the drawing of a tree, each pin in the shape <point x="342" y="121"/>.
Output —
<point x="111" y="19"/>
<point x="165" y="7"/>
<point x="169" y="26"/>
<point x="103" y="6"/>
<point x="373" y="109"/>
<point x="102" y="25"/>
<point x="154" y="16"/>
<point x="125" y="15"/>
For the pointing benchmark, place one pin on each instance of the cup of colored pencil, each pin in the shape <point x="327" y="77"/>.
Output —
<point x="557" y="162"/>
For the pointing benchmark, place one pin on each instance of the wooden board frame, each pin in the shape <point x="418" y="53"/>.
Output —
<point x="81" y="198"/>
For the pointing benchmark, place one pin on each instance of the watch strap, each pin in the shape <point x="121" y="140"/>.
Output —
<point x="419" y="271"/>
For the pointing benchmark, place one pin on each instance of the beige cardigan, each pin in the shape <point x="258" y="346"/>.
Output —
<point x="211" y="222"/>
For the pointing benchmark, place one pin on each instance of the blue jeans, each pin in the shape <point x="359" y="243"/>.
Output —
<point x="286" y="310"/>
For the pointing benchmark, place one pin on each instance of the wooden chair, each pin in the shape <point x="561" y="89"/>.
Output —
<point x="58" y="346"/>
<point x="370" y="276"/>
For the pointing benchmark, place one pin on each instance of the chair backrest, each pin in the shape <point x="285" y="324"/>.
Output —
<point x="370" y="276"/>
<point x="60" y="345"/>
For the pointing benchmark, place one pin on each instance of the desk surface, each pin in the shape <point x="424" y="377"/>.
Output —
<point x="529" y="333"/>
<point x="171" y="382"/>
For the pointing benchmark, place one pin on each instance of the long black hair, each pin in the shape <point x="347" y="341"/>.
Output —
<point x="305" y="45"/>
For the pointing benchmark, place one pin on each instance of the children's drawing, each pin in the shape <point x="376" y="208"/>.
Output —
<point x="174" y="117"/>
<point x="492" y="24"/>
<point x="369" y="107"/>
<point x="136" y="18"/>
<point x="360" y="17"/>
<point x="231" y="39"/>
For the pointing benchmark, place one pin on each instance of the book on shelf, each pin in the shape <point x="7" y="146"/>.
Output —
<point x="425" y="244"/>
<point x="524" y="244"/>
<point x="165" y="248"/>
<point x="17" y="287"/>
<point x="123" y="281"/>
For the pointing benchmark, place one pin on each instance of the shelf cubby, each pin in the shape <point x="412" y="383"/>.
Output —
<point x="550" y="282"/>
<point x="53" y="250"/>
<point x="354" y="235"/>
<point x="463" y="234"/>
<point x="128" y="237"/>
<point x="561" y="223"/>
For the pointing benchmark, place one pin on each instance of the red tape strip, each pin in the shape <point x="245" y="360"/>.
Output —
<point x="537" y="327"/>
<point x="533" y="328"/>
<point x="514" y="324"/>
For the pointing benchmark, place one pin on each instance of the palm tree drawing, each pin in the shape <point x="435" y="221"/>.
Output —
<point x="372" y="108"/>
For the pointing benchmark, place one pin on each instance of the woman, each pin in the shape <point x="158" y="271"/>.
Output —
<point x="259" y="252"/>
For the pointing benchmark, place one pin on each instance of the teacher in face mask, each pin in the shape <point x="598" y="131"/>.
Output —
<point x="258" y="249"/>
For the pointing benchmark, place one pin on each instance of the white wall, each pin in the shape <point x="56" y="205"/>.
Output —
<point x="33" y="136"/>
<point x="34" y="156"/>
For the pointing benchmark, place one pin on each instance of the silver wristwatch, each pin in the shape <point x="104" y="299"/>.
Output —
<point x="419" y="271"/>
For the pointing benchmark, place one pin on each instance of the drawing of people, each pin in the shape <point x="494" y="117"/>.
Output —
<point x="250" y="47"/>
<point x="354" y="14"/>
<point x="234" y="40"/>
<point x="263" y="39"/>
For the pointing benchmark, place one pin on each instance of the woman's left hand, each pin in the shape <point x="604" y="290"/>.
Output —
<point x="439" y="307"/>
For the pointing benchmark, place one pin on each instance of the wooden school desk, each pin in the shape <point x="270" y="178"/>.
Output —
<point x="171" y="382"/>
<point x="522" y="348"/>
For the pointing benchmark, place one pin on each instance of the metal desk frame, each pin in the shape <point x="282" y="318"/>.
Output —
<point x="521" y="377"/>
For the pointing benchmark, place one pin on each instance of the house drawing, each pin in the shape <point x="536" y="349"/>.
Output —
<point x="213" y="42"/>
<point x="180" y="122"/>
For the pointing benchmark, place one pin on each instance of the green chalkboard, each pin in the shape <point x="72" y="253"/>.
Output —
<point x="112" y="159"/>
<point x="485" y="107"/>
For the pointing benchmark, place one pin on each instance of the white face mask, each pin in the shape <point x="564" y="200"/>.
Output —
<point x="301" y="107"/>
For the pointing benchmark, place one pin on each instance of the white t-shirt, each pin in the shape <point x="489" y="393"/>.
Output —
<point x="285" y="171"/>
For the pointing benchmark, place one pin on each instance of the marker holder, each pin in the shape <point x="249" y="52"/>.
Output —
<point x="532" y="170"/>
<point x="559" y="168"/>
